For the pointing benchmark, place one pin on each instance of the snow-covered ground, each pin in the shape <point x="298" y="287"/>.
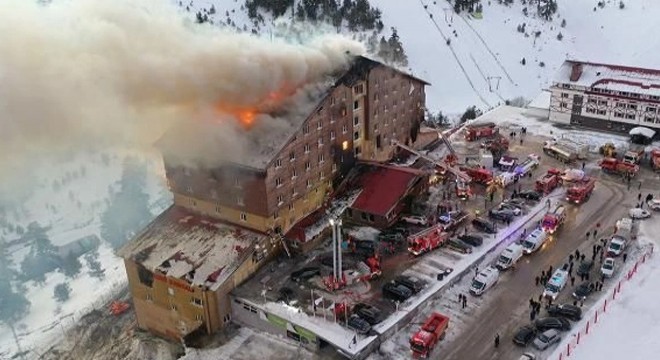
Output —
<point x="630" y="327"/>
<point x="69" y="201"/>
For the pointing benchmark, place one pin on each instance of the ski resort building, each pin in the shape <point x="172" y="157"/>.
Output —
<point x="226" y="221"/>
<point x="606" y="97"/>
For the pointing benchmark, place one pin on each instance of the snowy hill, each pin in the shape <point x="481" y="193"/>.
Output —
<point x="488" y="51"/>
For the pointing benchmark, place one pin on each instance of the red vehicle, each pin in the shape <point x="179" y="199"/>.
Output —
<point x="427" y="240"/>
<point x="581" y="191"/>
<point x="425" y="339"/>
<point x="655" y="159"/>
<point x="616" y="166"/>
<point x="553" y="220"/>
<point x="480" y="131"/>
<point x="479" y="175"/>
<point x="548" y="182"/>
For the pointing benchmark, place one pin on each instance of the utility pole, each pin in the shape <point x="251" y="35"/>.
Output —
<point x="450" y="18"/>
<point x="490" y="86"/>
<point x="18" y="344"/>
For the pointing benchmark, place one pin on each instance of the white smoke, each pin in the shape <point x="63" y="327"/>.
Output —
<point x="80" y="73"/>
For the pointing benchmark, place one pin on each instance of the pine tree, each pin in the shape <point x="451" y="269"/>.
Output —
<point x="398" y="55"/>
<point x="71" y="266"/>
<point x="469" y="114"/>
<point x="95" y="269"/>
<point x="384" y="51"/>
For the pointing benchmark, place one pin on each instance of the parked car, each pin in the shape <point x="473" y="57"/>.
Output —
<point x="517" y="202"/>
<point x="391" y="237"/>
<point x="346" y="261"/>
<point x="565" y="310"/>
<point x="546" y="339"/>
<point x="616" y="247"/>
<point x="399" y="229"/>
<point x="529" y="195"/>
<point x="459" y="246"/>
<point x="524" y="335"/>
<point x="358" y="324"/>
<point x="585" y="267"/>
<point x="415" y="285"/>
<point x="370" y="313"/>
<point x="513" y="208"/>
<point x="552" y="322"/>
<point x="608" y="267"/>
<point x="470" y="239"/>
<point x="501" y="214"/>
<point x="285" y="295"/>
<point x="638" y="213"/>
<point x="305" y="273"/>
<point x="415" y="219"/>
<point x="582" y="291"/>
<point x="396" y="292"/>
<point x="366" y="247"/>
<point x="527" y="356"/>
<point x="484" y="225"/>
<point x="654" y="204"/>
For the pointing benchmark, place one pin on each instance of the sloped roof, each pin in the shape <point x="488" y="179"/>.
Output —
<point x="612" y="77"/>
<point x="187" y="246"/>
<point x="382" y="188"/>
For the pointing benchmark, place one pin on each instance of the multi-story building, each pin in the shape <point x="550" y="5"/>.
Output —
<point x="606" y="97"/>
<point x="361" y="114"/>
<point x="183" y="265"/>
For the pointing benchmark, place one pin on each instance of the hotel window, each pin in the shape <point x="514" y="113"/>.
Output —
<point x="218" y="209"/>
<point x="150" y="297"/>
<point x="294" y="193"/>
<point x="280" y="200"/>
<point x="334" y="167"/>
<point x="278" y="182"/>
<point x="332" y="135"/>
<point x="564" y="95"/>
<point x="650" y="109"/>
<point x="239" y="200"/>
<point x="356" y="120"/>
<point x="196" y="301"/>
<point x="332" y="100"/>
<point x="376" y="96"/>
<point x="322" y="175"/>
<point x="291" y="208"/>
<point x="358" y="151"/>
<point x="308" y="165"/>
<point x="630" y="116"/>
<point x="319" y="125"/>
<point x="189" y="188"/>
<point x="199" y="317"/>
<point x="344" y="129"/>
<point x="359" y="89"/>
<point x="320" y="141"/>
<point x="243" y="217"/>
<point x="356" y="135"/>
<point x="602" y="112"/>
<point x="306" y="148"/>
<point x="309" y="183"/>
<point x="292" y="156"/>
<point x="602" y="102"/>
<point x="332" y="118"/>
<point x="592" y="101"/>
<point x="174" y="307"/>
<point x="618" y="114"/>
<point x="294" y="173"/>
<point x="321" y="158"/>
<point x="306" y="129"/>
<point x="632" y="106"/>
<point x="564" y="105"/>
<point x="356" y="105"/>
<point x="649" y="119"/>
<point x="237" y="182"/>
<point x="278" y="163"/>
<point x="276" y="214"/>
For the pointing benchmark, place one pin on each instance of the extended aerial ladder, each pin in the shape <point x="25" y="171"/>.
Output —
<point x="447" y="166"/>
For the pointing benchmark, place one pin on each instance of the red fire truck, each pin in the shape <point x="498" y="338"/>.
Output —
<point x="479" y="175"/>
<point x="655" y="159"/>
<point x="616" y="166"/>
<point x="425" y="339"/>
<point x="427" y="240"/>
<point x="479" y="131"/>
<point x="581" y="191"/>
<point x="548" y="182"/>
<point x="553" y="219"/>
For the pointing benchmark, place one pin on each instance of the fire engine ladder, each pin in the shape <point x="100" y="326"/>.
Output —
<point x="454" y="170"/>
<point x="285" y="246"/>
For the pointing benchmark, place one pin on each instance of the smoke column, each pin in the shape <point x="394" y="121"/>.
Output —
<point x="81" y="73"/>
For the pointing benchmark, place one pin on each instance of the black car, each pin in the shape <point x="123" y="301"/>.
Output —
<point x="459" y="246"/>
<point x="415" y="285"/>
<point x="474" y="240"/>
<point x="567" y="310"/>
<point x="585" y="267"/>
<point x="551" y="322"/>
<point x="358" y="324"/>
<point x="391" y="237"/>
<point x="501" y="214"/>
<point x="484" y="225"/>
<point x="396" y="292"/>
<point x="305" y="273"/>
<point x="327" y="261"/>
<point x="366" y="247"/>
<point x="369" y="313"/>
<point x="524" y="335"/>
<point x="529" y="195"/>
<point x="583" y="290"/>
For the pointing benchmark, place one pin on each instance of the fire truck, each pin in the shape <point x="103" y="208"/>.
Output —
<point x="531" y="163"/>
<point x="480" y="131"/>
<point x="425" y="339"/>
<point x="553" y="219"/>
<point x="427" y="240"/>
<point x="634" y="155"/>
<point x="548" y="182"/>
<point x="559" y="152"/>
<point x="616" y="166"/>
<point x="479" y="175"/>
<point x="581" y="191"/>
<point x="655" y="159"/>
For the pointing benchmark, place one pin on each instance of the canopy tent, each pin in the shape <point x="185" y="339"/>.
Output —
<point x="643" y="131"/>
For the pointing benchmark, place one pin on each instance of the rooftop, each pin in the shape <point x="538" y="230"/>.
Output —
<point x="191" y="247"/>
<point x="612" y="77"/>
<point x="382" y="188"/>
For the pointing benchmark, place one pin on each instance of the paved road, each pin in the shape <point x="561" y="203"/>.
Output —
<point x="510" y="310"/>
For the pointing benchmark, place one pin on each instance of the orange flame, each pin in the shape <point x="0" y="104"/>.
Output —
<point x="246" y="115"/>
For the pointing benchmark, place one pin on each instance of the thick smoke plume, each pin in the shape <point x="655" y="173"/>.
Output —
<point x="80" y="73"/>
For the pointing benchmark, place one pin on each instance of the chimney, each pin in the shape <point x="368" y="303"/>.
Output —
<point x="576" y="71"/>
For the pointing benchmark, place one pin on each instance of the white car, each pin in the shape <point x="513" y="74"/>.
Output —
<point x="417" y="220"/>
<point x="616" y="247"/>
<point x="527" y="356"/>
<point x="608" y="267"/>
<point x="638" y="213"/>
<point x="654" y="204"/>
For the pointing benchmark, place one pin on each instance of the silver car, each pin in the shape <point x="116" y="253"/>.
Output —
<point x="546" y="339"/>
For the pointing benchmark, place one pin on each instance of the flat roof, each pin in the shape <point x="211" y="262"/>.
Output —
<point x="612" y="77"/>
<point x="191" y="247"/>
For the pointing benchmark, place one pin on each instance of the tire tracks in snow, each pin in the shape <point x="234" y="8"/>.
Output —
<point x="454" y="54"/>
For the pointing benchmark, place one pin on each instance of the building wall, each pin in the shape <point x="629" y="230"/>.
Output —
<point x="604" y="110"/>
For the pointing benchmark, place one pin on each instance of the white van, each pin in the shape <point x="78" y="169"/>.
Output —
<point x="556" y="284"/>
<point x="534" y="241"/>
<point x="484" y="280"/>
<point x="624" y="228"/>
<point x="506" y="178"/>
<point x="509" y="256"/>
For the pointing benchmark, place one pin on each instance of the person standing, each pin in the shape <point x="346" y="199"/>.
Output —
<point x="536" y="280"/>
<point x="497" y="340"/>
<point x="625" y="256"/>
<point x="464" y="301"/>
